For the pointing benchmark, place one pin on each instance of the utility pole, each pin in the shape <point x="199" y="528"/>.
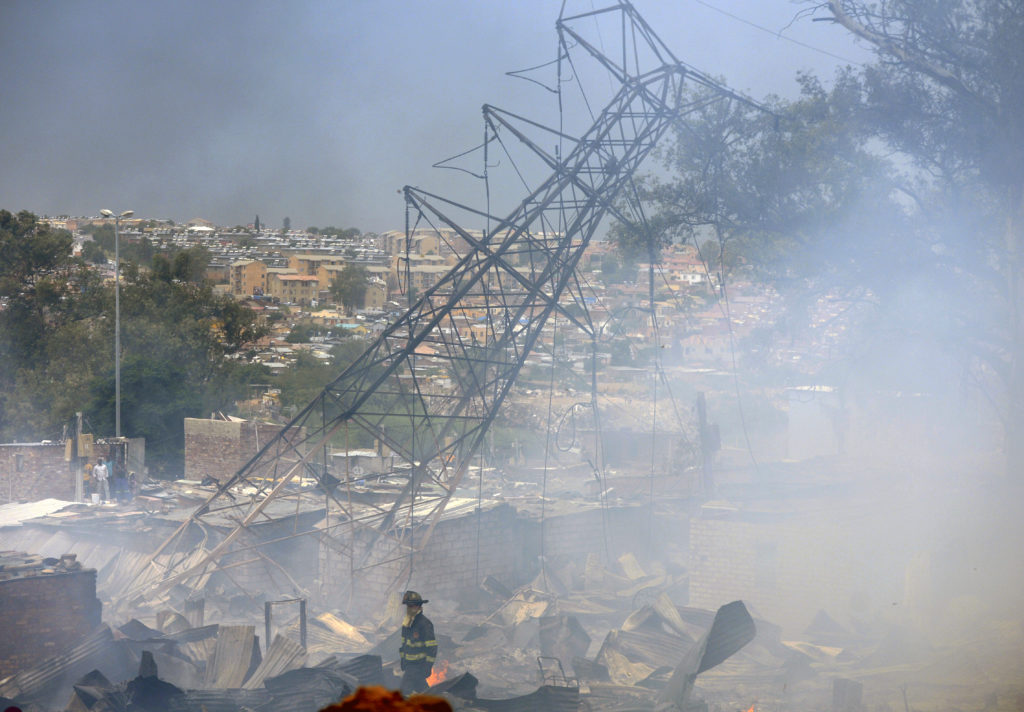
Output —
<point x="117" y="312"/>
<point x="79" y="483"/>
<point x="710" y="441"/>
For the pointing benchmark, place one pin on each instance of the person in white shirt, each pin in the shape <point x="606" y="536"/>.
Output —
<point x="99" y="475"/>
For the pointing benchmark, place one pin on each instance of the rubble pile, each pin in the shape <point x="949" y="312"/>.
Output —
<point x="581" y="635"/>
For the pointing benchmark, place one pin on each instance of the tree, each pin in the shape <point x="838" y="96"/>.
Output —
<point x="56" y="343"/>
<point x="92" y="252"/>
<point x="792" y="198"/>
<point x="176" y="334"/>
<point x="946" y="92"/>
<point x="349" y="287"/>
<point x="103" y="235"/>
<point x="302" y="332"/>
<point x="38" y="276"/>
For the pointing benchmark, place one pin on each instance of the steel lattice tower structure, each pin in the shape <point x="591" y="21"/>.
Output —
<point x="512" y="278"/>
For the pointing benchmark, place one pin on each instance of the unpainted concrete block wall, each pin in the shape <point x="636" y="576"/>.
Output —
<point x="447" y="569"/>
<point x="219" y="448"/>
<point x="509" y="550"/>
<point x="574" y="535"/>
<point x="45" y="615"/>
<point x="34" y="471"/>
<point x="788" y="569"/>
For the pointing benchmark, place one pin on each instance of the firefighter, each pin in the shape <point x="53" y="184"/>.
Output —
<point x="419" y="647"/>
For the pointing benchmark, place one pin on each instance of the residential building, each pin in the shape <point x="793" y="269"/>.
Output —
<point x="248" y="277"/>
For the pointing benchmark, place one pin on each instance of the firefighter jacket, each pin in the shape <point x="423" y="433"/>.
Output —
<point x="419" y="647"/>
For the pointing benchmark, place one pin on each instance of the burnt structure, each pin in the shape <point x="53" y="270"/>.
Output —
<point x="428" y="389"/>
<point x="49" y="606"/>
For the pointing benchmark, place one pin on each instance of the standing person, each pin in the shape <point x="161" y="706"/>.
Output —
<point x="120" y="481"/>
<point x="99" y="474"/>
<point x="88" y="486"/>
<point x="419" y="647"/>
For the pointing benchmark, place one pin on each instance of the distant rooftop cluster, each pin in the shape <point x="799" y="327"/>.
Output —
<point x="286" y="276"/>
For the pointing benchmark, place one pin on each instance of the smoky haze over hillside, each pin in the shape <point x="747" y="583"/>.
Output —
<point x="854" y="360"/>
<point x="315" y="111"/>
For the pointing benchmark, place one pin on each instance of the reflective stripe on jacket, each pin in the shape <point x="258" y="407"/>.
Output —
<point x="418" y="642"/>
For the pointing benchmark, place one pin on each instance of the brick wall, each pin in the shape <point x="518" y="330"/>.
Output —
<point x="446" y="569"/>
<point x="790" y="566"/>
<point x="509" y="550"/>
<point x="34" y="471"/>
<point x="219" y="448"/>
<point x="45" y="615"/>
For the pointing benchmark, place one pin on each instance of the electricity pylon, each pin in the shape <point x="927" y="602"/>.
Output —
<point x="429" y="387"/>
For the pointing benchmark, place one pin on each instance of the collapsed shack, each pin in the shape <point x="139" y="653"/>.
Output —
<point x="222" y="668"/>
<point x="584" y="636"/>
<point x="588" y="613"/>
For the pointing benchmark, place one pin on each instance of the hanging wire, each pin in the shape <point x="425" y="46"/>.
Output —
<point x="479" y="514"/>
<point x="732" y="353"/>
<point x="441" y="163"/>
<point x="547" y="454"/>
<point x="518" y="73"/>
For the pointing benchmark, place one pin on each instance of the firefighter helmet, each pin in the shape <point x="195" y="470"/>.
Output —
<point x="411" y="598"/>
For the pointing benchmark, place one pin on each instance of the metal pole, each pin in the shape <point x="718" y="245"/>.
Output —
<point x="117" y="325"/>
<point x="266" y="624"/>
<point x="79" y="484"/>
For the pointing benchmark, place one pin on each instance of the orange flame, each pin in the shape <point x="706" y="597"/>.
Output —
<point x="753" y="708"/>
<point x="440" y="673"/>
<point x="377" y="699"/>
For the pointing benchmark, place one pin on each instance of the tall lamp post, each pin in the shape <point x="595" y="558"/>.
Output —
<point x="117" y="312"/>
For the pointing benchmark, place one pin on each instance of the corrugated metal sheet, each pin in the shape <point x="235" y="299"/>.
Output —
<point x="283" y="655"/>
<point x="220" y="701"/>
<point x="366" y="669"/>
<point x="232" y="657"/>
<point x="28" y="539"/>
<point x="75" y="662"/>
<point x="655" y="648"/>
<point x="308" y="689"/>
<point x="547" y="698"/>
<point x="198" y="644"/>
<point x="13" y="514"/>
<point x="733" y="628"/>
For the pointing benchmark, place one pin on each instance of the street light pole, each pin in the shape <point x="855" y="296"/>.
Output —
<point x="117" y="312"/>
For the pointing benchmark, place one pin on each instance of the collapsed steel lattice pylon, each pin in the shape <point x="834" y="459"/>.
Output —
<point x="510" y="277"/>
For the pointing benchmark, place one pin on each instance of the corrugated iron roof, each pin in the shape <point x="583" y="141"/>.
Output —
<point x="12" y="515"/>
<point x="73" y="663"/>
<point x="233" y="657"/>
<point x="283" y="655"/>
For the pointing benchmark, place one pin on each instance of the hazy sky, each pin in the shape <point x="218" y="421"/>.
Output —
<point x="319" y="111"/>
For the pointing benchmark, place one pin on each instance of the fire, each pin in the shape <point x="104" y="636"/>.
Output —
<point x="753" y="708"/>
<point x="377" y="699"/>
<point x="440" y="673"/>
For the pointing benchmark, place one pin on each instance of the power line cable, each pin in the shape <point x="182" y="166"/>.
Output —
<point x="778" y="35"/>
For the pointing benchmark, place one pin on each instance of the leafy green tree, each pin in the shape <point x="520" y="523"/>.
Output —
<point x="102" y="234"/>
<point x="92" y="252"/>
<point x="302" y="332"/>
<point x="141" y="252"/>
<point x="38" y="280"/>
<point x="946" y="95"/>
<point x="349" y="287"/>
<point x="176" y="336"/>
<point x="56" y="344"/>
